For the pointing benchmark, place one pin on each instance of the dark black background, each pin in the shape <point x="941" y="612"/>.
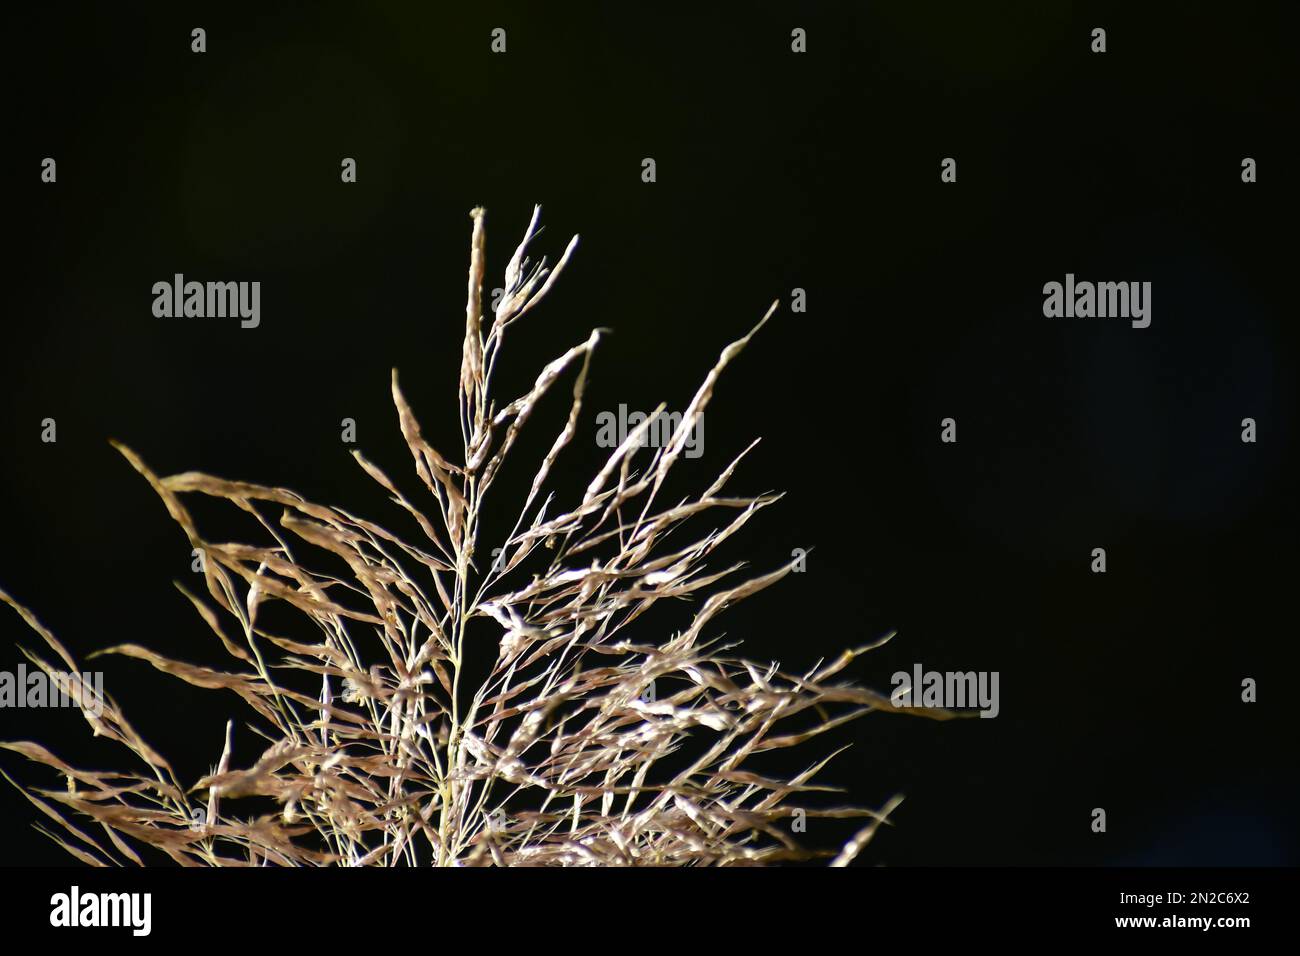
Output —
<point x="775" y="171"/>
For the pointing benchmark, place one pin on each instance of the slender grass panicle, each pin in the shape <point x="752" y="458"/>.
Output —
<point x="586" y="743"/>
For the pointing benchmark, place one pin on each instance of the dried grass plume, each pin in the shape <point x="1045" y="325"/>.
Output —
<point x="581" y="746"/>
